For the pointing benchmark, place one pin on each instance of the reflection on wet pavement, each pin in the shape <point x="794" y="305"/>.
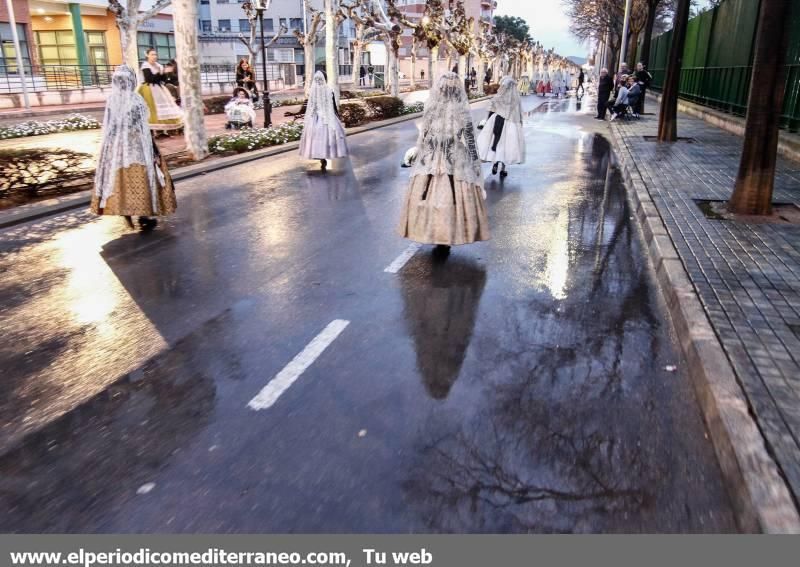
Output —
<point x="518" y="386"/>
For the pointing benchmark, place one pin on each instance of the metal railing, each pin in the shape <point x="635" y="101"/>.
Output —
<point x="40" y="78"/>
<point x="718" y="56"/>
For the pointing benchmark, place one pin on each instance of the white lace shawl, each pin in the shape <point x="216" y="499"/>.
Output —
<point x="507" y="102"/>
<point x="446" y="143"/>
<point x="320" y="102"/>
<point x="126" y="137"/>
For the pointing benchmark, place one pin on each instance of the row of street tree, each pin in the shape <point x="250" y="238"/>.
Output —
<point x="445" y="31"/>
<point x="601" y="22"/>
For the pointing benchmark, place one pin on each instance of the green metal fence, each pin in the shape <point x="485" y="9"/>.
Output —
<point x="718" y="55"/>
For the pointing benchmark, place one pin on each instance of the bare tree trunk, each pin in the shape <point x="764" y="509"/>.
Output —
<point x="668" y="119"/>
<point x="648" y="33"/>
<point x="309" y="55"/>
<point x="132" y="52"/>
<point x="632" y="50"/>
<point x="481" y="73"/>
<point x="449" y="60"/>
<point x="413" y="63"/>
<point x="433" y="64"/>
<point x="756" y="178"/>
<point x="394" y="66"/>
<point x="184" y="16"/>
<point x="358" y="49"/>
<point x="331" y="41"/>
<point x="462" y="67"/>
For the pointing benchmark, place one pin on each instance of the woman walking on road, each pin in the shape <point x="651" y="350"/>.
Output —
<point x="131" y="177"/>
<point x="323" y="135"/>
<point x="502" y="140"/>
<point x="444" y="203"/>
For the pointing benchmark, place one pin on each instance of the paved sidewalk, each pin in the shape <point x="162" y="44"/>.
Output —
<point x="747" y="275"/>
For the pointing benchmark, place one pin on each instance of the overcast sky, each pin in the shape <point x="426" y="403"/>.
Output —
<point x="548" y="23"/>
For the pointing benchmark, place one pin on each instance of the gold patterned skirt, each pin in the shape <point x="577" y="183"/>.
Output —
<point x="442" y="210"/>
<point x="131" y="196"/>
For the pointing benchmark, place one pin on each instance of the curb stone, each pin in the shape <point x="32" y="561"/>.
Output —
<point x="760" y="497"/>
<point x="34" y="211"/>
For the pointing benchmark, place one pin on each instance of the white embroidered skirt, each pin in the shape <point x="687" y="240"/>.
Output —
<point x="321" y="141"/>
<point x="510" y="148"/>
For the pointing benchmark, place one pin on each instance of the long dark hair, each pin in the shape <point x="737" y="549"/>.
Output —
<point x="240" y="65"/>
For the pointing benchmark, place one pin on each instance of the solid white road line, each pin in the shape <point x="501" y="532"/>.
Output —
<point x="402" y="259"/>
<point x="292" y="371"/>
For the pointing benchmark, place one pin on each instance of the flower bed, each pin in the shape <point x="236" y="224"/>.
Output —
<point x="412" y="108"/>
<point x="255" y="138"/>
<point x="72" y="123"/>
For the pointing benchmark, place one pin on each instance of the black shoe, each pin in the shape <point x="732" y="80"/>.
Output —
<point x="147" y="223"/>
<point x="441" y="251"/>
<point x="323" y="164"/>
<point x="128" y="221"/>
<point x="503" y="174"/>
<point x="494" y="169"/>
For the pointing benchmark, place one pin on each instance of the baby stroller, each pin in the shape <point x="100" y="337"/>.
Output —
<point x="240" y="112"/>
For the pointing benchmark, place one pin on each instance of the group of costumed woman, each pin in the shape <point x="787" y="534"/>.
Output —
<point x="444" y="203"/>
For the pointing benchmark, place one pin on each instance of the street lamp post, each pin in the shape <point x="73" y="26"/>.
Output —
<point x="259" y="7"/>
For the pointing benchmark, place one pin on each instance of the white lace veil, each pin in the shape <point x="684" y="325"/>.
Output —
<point x="126" y="136"/>
<point x="507" y="102"/>
<point x="320" y="101"/>
<point x="446" y="143"/>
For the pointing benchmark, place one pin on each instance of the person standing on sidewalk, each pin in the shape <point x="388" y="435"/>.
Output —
<point x="604" y="87"/>
<point x="502" y="140"/>
<point x="581" y="79"/>
<point x="643" y="78"/>
<point x="323" y="135"/>
<point x="362" y="77"/>
<point x="445" y="201"/>
<point x="165" y="115"/>
<point x="131" y="177"/>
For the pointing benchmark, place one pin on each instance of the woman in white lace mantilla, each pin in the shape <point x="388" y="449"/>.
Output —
<point x="131" y="177"/>
<point x="323" y="135"/>
<point x="445" y="201"/>
<point x="502" y="140"/>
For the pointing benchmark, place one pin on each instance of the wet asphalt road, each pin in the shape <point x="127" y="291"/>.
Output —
<point x="520" y="386"/>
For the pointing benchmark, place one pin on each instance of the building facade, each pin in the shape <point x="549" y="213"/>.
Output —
<point x="223" y="21"/>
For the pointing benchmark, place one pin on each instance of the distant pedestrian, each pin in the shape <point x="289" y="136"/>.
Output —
<point x="131" y="179"/>
<point x="604" y="87"/>
<point x="323" y="136"/>
<point x="581" y="78"/>
<point x="422" y="74"/>
<point x="371" y="75"/>
<point x="444" y="204"/>
<point x="362" y="76"/>
<point x="644" y="78"/>
<point x="473" y="75"/>
<point x="502" y="141"/>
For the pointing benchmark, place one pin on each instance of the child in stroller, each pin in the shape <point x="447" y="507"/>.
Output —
<point x="240" y="110"/>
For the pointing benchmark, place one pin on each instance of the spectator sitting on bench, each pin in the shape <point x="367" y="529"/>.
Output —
<point x="620" y="105"/>
<point x="634" y="95"/>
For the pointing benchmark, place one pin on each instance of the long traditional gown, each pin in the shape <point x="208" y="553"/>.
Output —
<point x="131" y="177"/>
<point x="445" y="200"/>
<point x="323" y="134"/>
<point x="502" y="138"/>
<point x="165" y="114"/>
